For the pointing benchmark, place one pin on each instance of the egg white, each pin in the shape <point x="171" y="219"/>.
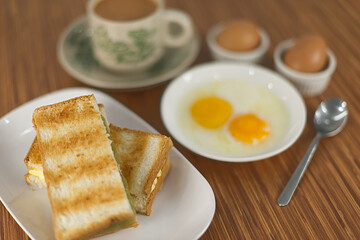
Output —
<point x="244" y="97"/>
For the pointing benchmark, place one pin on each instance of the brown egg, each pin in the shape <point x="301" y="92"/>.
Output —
<point x="307" y="55"/>
<point x="239" y="36"/>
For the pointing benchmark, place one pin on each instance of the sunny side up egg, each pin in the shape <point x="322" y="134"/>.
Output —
<point x="232" y="117"/>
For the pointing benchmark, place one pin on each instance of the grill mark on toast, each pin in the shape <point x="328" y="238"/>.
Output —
<point x="130" y="153"/>
<point x="67" y="158"/>
<point x="103" y="165"/>
<point x="89" y="198"/>
<point x="76" y="109"/>
<point x="75" y="125"/>
<point x="93" y="225"/>
<point x="76" y="141"/>
<point x="66" y="116"/>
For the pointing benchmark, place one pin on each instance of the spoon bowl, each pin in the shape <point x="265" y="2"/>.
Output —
<point x="329" y="119"/>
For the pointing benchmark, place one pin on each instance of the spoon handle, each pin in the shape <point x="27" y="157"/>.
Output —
<point x="292" y="184"/>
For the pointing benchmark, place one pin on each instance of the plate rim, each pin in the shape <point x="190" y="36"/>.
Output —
<point x="219" y="157"/>
<point x="143" y="123"/>
<point x="157" y="80"/>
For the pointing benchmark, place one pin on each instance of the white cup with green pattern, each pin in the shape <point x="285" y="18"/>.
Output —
<point x="135" y="45"/>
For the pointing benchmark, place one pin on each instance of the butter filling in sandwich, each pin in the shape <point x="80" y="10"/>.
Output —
<point x="87" y="193"/>
<point x="33" y="162"/>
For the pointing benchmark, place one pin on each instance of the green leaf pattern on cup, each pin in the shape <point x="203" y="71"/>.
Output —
<point x="126" y="52"/>
<point x="79" y="39"/>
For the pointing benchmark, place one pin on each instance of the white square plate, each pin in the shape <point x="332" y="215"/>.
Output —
<point x="183" y="209"/>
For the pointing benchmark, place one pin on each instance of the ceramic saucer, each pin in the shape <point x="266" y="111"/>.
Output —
<point x="76" y="56"/>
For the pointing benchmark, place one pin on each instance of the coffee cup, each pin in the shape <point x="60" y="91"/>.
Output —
<point x="131" y="35"/>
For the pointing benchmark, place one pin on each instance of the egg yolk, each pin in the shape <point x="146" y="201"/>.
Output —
<point x="248" y="128"/>
<point x="211" y="112"/>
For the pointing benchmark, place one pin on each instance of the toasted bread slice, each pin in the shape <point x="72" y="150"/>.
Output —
<point x="144" y="162"/>
<point x="86" y="192"/>
<point x="33" y="161"/>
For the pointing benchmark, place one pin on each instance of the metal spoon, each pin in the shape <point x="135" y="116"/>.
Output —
<point x="329" y="119"/>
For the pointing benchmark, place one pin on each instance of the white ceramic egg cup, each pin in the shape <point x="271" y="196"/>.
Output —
<point x="309" y="84"/>
<point x="220" y="53"/>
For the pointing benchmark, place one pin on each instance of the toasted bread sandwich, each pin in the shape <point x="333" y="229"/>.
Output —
<point x="144" y="161"/>
<point x="134" y="149"/>
<point x="88" y="195"/>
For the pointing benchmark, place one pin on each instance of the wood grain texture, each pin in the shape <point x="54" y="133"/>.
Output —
<point x="327" y="203"/>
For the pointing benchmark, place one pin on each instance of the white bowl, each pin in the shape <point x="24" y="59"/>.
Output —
<point x="309" y="84"/>
<point x="220" y="53"/>
<point x="288" y="95"/>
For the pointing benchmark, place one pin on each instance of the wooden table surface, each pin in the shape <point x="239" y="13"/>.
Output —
<point x="326" y="204"/>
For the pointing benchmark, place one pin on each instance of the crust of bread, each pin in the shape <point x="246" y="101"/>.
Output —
<point x="142" y="155"/>
<point x="78" y="163"/>
<point x="165" y="170"/>
<point x="162" y="154"/>
<point x="33" y="161"/>
<point x="33" y="157"/>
